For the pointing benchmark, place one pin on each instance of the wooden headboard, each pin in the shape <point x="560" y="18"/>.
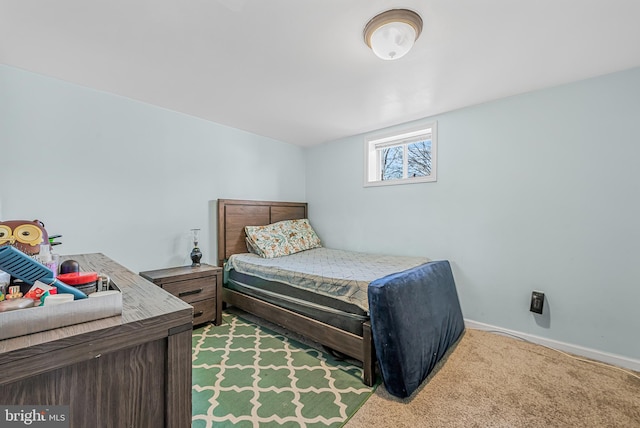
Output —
<point x="234" y="215"/>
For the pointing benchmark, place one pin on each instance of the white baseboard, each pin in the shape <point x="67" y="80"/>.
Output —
<point x="605" y="357"/>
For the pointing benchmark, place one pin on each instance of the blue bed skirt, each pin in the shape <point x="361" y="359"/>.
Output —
<point x="415" y="318"/>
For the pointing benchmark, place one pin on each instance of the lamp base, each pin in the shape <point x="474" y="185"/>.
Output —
<point x="196" y="255"/>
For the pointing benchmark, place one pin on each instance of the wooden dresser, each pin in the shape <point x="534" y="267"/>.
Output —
<point x="132" y="370"/>
<point x="199" y="286"/>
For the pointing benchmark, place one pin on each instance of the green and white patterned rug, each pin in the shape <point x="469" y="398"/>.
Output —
<point x="245" y="375"/>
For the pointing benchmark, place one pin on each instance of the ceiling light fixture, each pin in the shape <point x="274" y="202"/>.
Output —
<point x="391" y="34"/>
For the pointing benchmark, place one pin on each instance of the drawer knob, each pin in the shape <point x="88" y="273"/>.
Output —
<point x="197" y="314"/>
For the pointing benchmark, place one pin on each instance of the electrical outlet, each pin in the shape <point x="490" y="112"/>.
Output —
<point x="537" y="302"/>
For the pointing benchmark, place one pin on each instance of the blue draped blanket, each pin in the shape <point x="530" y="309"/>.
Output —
<point x="415" y="318"/>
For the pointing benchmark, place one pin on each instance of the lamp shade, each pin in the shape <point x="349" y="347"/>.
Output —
<point x="392" y="34"/>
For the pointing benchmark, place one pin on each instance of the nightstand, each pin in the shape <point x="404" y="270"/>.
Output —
<point x="201" y="287"/>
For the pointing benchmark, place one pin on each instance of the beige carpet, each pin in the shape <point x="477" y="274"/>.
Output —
<point x="490" y="380"/>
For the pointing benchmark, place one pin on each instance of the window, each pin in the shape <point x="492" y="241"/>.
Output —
<point x="402" y="158"/>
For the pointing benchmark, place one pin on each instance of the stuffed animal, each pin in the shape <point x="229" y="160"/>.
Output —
<point x="25" y="235"/>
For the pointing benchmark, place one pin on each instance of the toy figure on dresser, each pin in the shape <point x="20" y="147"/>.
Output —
<point x="31" y="238"/>
<point x="25" y="235"/>
<point x="196" y="254"/>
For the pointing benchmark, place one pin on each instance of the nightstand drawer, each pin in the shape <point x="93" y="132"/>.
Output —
<point x="204" y="311"/>
<point x="193" y="290"/>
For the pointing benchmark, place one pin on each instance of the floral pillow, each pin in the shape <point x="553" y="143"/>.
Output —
<point x="252" y="248"/>
<point x="282" y="238"/>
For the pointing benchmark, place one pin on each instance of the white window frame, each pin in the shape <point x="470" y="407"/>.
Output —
<point x="373" y="144"/>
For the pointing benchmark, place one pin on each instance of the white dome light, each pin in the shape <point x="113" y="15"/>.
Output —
<point x="391" y="34"/>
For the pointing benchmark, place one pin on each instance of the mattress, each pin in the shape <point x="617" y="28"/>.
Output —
<point x="337" y="274"/>
<point x="328" y="310"/>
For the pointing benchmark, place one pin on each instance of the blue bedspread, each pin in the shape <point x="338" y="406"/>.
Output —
<point x="415" y="318"/>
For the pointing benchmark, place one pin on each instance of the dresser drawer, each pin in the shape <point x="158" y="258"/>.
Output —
<point x="194" y="289"/>
<point x="204" y="311"/>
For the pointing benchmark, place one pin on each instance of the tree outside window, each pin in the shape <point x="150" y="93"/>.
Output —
<point x="417" y="156"/>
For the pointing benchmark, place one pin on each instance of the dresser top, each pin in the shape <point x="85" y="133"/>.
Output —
<point x="183" y="272"/>
<point x="144" y="307"/>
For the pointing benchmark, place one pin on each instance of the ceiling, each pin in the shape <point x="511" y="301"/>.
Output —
<point x="298" y="71"/>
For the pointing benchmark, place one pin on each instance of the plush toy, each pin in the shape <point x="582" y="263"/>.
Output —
<point x="25" y="235"/>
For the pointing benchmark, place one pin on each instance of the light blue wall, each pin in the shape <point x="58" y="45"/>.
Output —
<point x="535" y="192"/>
<point x="125" y="178"/>
<point x="538" y="191"/>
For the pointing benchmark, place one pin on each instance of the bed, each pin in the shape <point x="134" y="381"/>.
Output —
<point x="402" y="313"/>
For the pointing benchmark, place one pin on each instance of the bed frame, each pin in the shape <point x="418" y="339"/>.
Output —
<point x="233" y="216"/>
